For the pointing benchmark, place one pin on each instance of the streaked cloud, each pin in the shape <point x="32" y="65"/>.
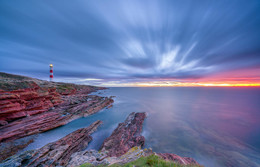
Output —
<point x="124" y="42"/>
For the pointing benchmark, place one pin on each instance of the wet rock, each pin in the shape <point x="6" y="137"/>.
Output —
<point x="125" y="136"/>
<point x="19" y="160"/>
<point x="10" y="148"/>
<point x="57" y="153"/>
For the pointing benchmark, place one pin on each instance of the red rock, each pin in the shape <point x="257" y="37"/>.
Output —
<point x="11" y="107"/>
<point x="28" y="95"/>
<point x="17" y="115"/>
<point x="33" y="109"/>
<point x="31" y="125"/>
<point x="20" y="103"/>
<point x="58" y="153"/>
<point x="4" y="96"/>
<point x="40" y="120"/>
<point x="34" y="112"/>
<point x="125" y="136"/>
<point x="5" y="102"/>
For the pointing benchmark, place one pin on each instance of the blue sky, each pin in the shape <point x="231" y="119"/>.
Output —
<point x="117" y="41"/>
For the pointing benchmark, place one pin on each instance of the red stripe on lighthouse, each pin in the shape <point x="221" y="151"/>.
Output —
<point x="51" y="71"/>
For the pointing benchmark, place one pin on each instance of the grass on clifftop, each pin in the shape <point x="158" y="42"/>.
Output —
<point x="9" y="82"/>
<point x="150" y="161"/>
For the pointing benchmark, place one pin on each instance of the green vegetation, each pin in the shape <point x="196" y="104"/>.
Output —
<point x="67" y="88"/>
<point x="9" y="82"/>
<point x="150" y="161"/>
<point x="64" y="87"/>
<point x="12" y="82"/>
<point x="12" y="76"/>
<point x="15" y="85"/>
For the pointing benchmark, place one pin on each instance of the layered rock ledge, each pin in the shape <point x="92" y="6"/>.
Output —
<point x="73" y="107"/>
<point x="36" y="106"/>
<point x="125" y="136"/>
<point x="56" y="153"/>
<point x="123" y="146"/>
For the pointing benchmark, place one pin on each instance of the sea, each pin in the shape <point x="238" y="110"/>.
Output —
<point x="217" y="126"/>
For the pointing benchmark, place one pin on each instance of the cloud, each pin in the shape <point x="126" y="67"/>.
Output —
<point x="115" y="40"/>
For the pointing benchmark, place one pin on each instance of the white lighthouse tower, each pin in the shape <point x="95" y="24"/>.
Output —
<point x="51" y="72"/>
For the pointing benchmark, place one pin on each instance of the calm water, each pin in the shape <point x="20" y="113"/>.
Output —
<point x="216" y="126"/>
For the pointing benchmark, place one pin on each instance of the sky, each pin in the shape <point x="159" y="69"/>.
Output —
<point x="133" y="42"/>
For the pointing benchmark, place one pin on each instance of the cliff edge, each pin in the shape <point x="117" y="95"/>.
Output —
<point x="30" y="106"/>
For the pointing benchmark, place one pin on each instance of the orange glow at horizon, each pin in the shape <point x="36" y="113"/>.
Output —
<point x="235" y="78"/>
<point x="197" y="85"/>
<point x="184" y="84"/>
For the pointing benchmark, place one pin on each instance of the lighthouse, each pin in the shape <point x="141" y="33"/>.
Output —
<point x="51" y="72"/>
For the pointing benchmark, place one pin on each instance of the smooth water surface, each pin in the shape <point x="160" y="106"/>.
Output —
<point x="215" y="126"/>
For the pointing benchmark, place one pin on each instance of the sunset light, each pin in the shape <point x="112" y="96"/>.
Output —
<point x="130" y="83"/>
<point x="180" y="84"/>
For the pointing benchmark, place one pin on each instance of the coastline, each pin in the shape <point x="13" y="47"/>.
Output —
<point x="66" y="102"/>
<point x="31" y="106"/>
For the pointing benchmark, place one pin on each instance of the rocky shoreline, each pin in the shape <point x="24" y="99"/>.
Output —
<point x="123" y="146"/>
<point x="56" y="153"/>
<point x="38" y="106"/>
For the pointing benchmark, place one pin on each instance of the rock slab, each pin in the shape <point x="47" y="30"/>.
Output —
<point x="125" y="136"/>
<point x="22" y="103"/>
<point x="56" y="153"/>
